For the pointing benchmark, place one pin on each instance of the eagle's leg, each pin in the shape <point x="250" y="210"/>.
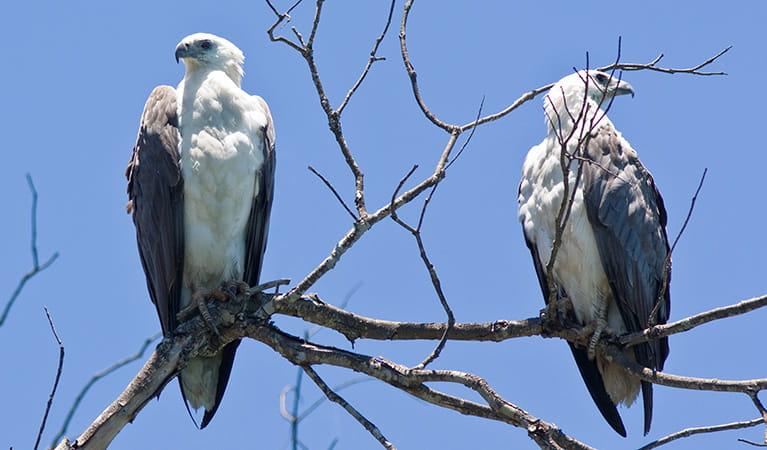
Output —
<point x="601" y="326"/>
<point x="199" y="298"/>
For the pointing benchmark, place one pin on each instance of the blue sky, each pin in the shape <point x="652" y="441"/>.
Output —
<point x="75" y="78"/>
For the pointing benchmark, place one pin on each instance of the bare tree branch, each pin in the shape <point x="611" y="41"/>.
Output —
<point x="666" y="379"/>
<point x="159" y="369"/>
<point x="36" y="266"/>
<point x="687" y="432"/>
<point x="333" y="115"/>
<point x="235" y="321"/>
<point x="334" y="397"/>
<point x="334" y="191"/>
<point x="371" y="60"/>
<point x="667" y="263"/>
<point x="414" y="76"/>
<point x="337" y="388"/>
<point x="59" y="370"/>
<point x="652" y="66"/>
<point x="280" y="18"/>
<point x="688" y="323"/>
<point x="94" y="379"/>
<point x="752" y="443"/>
<point x="435" y="281"/>
<point x="293" y="417"/>
<point x="533" y="93"/>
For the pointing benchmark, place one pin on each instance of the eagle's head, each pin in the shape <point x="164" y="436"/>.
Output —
<point x="597" y="84"/>
<point x="566" y="98"/>
<point x="211" y="52"/>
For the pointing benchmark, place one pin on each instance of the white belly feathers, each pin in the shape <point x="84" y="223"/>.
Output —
<point x="221" y="152"/>
<point x="578" y="267"/>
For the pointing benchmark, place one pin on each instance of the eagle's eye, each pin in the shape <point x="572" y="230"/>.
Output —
<point x="602" y="78"/>
<point x="206" y="44"/>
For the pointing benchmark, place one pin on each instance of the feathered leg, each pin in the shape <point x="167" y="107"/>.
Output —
<point x="601" y="326"/>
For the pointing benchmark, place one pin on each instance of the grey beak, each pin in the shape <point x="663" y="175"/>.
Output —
<point x="624" y="88"/>
<point x="182" y="51"/>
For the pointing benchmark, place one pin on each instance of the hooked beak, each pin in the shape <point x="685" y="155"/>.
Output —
<point x="624" y="88"/>
<point x="182" y="51"/>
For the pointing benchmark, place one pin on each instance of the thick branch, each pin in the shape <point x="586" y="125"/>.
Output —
<point x="95" y="378"/>
<point x="193" y="339"/>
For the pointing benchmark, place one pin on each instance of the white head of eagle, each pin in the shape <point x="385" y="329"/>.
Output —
<point x="210" y="52"/>
<point x="565" y="101"/>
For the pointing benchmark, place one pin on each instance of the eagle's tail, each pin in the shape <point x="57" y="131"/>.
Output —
<point x="596" y="386"/>
<point x="203" y="382"/>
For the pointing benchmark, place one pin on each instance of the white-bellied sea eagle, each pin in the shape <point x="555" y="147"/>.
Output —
<point x="614" y="249"/>
<point x="200" y="184"/>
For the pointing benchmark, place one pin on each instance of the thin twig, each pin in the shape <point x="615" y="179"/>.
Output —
<point x="334" y="119"/>
<point x="471" y="135"/>
<point x="653" y="318"/>
<point x="435" y="281"/>
<point x="334" y="397"/>
<point x="695" y="70"/>
<point x="688" y="323"/>
<point x="337" y="388"/>
<point x="280" y="18"/>
<point x="94" y="379"/>
<point x="294" y="413"/>
<point x="533" y="93"/>
<point x="687" y="432"/>
<point x="755" y="444"/>
<point x="59" y="370"/>
<point x="759" y="407"/>
<point x="414" y="76"/>
<point x="335" y="192"/>
<point x="614" y="354"/>
<point x="36" y="266"/>
<point x="371" y="60"/>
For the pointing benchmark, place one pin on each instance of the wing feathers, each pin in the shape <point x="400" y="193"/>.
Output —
<point x="627" y="214"/>
<point x="155" y="192"/>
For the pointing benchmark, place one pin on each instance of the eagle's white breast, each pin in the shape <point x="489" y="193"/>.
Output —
<point x="578" y="267"/>
<point x="221" y="152"/>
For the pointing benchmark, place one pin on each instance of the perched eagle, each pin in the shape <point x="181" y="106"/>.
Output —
<point x="614" y="249"/>
<point x="200" y="183"/>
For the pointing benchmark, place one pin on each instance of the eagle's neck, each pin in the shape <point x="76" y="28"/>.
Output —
<point x="565" y="109"/>
<point x="196" y="72"/>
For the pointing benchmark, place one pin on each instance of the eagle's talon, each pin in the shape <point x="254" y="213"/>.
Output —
<point x="199" y="301"/>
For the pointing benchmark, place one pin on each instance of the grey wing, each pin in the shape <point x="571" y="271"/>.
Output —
<point x="627" y="214"/>
<point x="258" y="223"/>
<point x="155" y="192"/>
